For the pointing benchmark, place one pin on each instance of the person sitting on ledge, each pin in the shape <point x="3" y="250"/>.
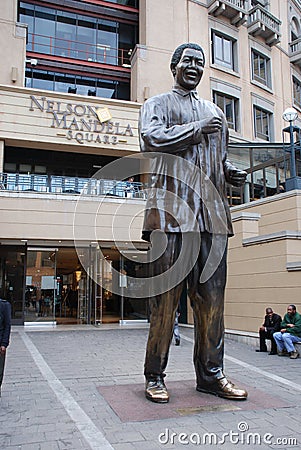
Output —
<point x="289" y="333"/>
<point x="271" y="324"/>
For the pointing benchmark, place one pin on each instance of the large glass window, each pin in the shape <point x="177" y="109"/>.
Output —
<point x="260" y="68"/>
<point x="262" y="121"/>
<point x="132" y="3"/>
<point x="297" y="92"/>
<point x="77" y="36"/>
<point x="65" y="36"/>
<point x="229" y="106"/>
<point x="76" y="84"/>
<point x="86" y="39"/>
<point x="223" y="50"/>
<point x="107" y="42"/>
<point x="44" y="27"/>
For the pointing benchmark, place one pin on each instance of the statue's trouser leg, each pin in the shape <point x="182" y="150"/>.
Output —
<point x="162" y="311"/>
<point x="207" y="300"/>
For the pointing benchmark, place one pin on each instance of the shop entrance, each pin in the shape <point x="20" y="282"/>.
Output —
<point x="109" y="270"/>
<point x="69" y="286"/>
<point x="55" y="286"/>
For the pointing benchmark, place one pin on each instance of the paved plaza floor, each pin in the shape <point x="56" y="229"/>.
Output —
<point x="82" y="387"/>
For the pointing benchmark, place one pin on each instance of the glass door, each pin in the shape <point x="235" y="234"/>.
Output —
<point x="42" y="290"/>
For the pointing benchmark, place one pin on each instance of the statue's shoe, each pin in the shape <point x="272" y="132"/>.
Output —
<point x="155" y="390"/>
<point x="223" y="388"/>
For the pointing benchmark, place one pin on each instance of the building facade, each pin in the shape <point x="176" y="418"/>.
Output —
<point x="74" y="78"/>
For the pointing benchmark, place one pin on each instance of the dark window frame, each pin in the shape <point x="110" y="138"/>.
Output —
<point x="233" y="124"/>
<point x="261" y="59"/>
<point x="261" y="116"/>
<point x="297" y="92"/>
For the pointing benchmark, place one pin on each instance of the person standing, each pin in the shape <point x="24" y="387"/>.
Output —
<point x="270" y="325"/>
<point x="176" y="331"/>
<point x="5" y="326"/>
<point x="188" y="216"/>
<point x="290" y="333"/>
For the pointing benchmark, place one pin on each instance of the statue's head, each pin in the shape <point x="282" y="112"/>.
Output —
<point x="177" y="54"/>
<point x="187" y="65"/>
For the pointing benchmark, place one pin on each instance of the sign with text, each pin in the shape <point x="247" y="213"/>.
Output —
<point x="83" y="123"/>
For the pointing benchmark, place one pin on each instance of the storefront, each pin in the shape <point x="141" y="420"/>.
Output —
<point x="48" y="284"/>
<point x="52" y="149"/>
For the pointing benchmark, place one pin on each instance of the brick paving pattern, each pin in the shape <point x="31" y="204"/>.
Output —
<point x="82" y="388"/>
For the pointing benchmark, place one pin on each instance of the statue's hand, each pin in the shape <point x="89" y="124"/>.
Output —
<point x="210" y="125"/>
<point x="236" y="177"/>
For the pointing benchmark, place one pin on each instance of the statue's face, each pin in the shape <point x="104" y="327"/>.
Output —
<point x="189" y="70"/>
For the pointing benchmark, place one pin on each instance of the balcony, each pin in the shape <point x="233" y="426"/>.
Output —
<point x="78" y="50"/>
<point x="234" y="10"/>
<point x="70" y="185"/>
<point x="295" y="52"/>
<point x="262" y="23"/>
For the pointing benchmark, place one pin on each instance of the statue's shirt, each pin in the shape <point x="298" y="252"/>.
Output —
<point x="188" y="184"/>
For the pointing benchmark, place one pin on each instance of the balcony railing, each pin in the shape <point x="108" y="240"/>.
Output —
<point x="295" y="52"/>
<point x="235" y="10"/>
<point x="84" y="51"/>
<point x="262" y="23"/>
<point x="70" y="185"/>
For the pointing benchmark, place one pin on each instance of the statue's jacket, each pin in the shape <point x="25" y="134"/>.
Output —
<point x="188" y="168"/>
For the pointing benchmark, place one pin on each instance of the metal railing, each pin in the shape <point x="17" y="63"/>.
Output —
<point x="259" y="13"/>
<point x="84" y="51"/>
<point x="55" y="184"/>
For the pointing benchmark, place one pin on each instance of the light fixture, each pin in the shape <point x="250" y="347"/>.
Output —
<point x="294" y="181"/>
<point x="289" y="115"/>
<point x="32" y="61"/>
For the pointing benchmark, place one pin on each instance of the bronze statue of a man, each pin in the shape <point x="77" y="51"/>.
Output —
<point x="192" y="223"/>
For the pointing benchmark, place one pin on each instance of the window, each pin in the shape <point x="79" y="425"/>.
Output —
<point x="54" y="81"/>
<point x="78" y="36"/>
<point x="229" y="106"/>
<point x="262" y="121"/>
<point x="297" y="92"/>
<point x="263" y="3"/>
<point x="295" y="29"/>
<point x="133" y="3"/>
<point x="259" y="2"/>
<point x="223" y="50"/>
<point x="261" y="68"/>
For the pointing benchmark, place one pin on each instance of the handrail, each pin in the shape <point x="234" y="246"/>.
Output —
<point x="55" y="184"/>
<point x="85" y="51"/>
